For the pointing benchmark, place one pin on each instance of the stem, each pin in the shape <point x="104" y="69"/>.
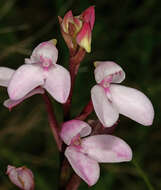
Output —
<point x="86" y="111"/>
<point x="143" y="175"/>
<point x="74" y="64"/>
<point x="52" y="121"/>
<point x="74" y="182"/>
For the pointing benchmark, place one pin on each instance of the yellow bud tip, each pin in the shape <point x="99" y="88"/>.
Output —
<point x="88" y="49"/>
<point x="95" y="63"/>
<point x="86" y="44"/>
<point x="54" y="41"/>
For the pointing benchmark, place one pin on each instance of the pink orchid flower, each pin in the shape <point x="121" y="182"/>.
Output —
<point x="5" y="76"/>
<point x="110" y="100"/>
<point x="85" y="154"/>
<point x="21" y="177"/>
<point x="41" y="70"/>
<point x="79" y="28"/>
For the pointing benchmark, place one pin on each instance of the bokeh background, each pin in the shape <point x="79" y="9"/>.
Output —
<point x="127" y="32"/>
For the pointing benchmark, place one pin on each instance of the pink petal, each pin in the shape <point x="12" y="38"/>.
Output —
<point x="5" y="75"/>
<point x="21" y="177"/>
<point x="25" y="79"/>
<point x="58" y="83"/>
<point x="68" y="18"/>
<point x="106" y="148"/>
<point x="84" y="37"/>
<point x="107" y="114"/>
<point x="85" y="167"/>
<point x="133" y="104"/>
<point x="89" y="16"/>
<point x="107" y="69"/>
<point x="44" y="51"/>
<point x="72" y="128"/>
<point x="12" y="103"/>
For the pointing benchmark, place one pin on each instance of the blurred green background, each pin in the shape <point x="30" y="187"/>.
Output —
<point x="127" y="32"/>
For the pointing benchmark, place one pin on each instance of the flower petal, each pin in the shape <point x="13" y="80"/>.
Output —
<point x="84" y="37"/>
<point x="5" y="75"/>
<point x="58" y="83"/>
<point x="85" y="167"/>
<point x="133" y="104"/>
<point x="106" y="148"/>
<point x="12" y="103"/>
<point x="89" y="16"/>
<point x="107" y="69"/>
<point x="44" y="51"/>
<point x="25" y="79"/>
<point x="68" y="18"/>
<point x="105" y="111"/>
<point x="72" y="128"/>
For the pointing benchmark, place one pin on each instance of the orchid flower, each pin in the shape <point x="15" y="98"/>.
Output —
<point x="110" y="100"/>
<point x="21" y="177"/>
<point x="84" y="154"/>
<point x="78" y="29"/>
<point x="41" y="70"/>
<point x="5" y="76"/>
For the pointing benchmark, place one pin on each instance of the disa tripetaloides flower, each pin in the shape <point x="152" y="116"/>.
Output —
<point x="41" y="70"/>
<point x="84" y="154"/>
<point x="110" y="100"/>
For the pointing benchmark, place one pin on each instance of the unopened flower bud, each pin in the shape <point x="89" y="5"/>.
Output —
<point x="77" y="30"/>
<point x="21" y="177"/>
<point x="84" y="37"/>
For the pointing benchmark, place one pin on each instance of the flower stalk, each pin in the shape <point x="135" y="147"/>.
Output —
<point x="74" y="63"/>
<point x="52" y="121"/>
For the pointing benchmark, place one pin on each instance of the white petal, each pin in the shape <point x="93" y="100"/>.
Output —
<point x="133" y="104"/>
<point x="105" y="111"/>
<point x="12" y="103"/>
<point x="5" y="75"/>
<point x="85" y="167"/>
<point x="106" y="148"/>
<point x="108" y="68"/>
<point x="25" y="79"/>
<point x="58" y="83"/>
<point x="44" y="50"/>
<point x="72" y="128"/>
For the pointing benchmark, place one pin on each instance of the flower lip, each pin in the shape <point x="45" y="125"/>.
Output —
<point x="76" y="142"/>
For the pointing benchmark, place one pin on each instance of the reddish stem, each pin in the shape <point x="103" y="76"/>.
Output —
<point x="74" y="64"/>
<point x="52" y="121"/>
<point x="73" y="183"/>
<point x="86" y="111"/>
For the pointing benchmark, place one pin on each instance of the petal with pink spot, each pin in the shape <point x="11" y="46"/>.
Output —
<point x="108" y="68"/>
<point x="26" y="78"/>
<point x="58" y="83"/>
<point x="73" y="128"/>
<point x="104" y="109"/>
<point x="5" y="76"/>
<point x="85" y="167"/>
<point x="106" y="148"/>
<point x="133" y="104"/>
